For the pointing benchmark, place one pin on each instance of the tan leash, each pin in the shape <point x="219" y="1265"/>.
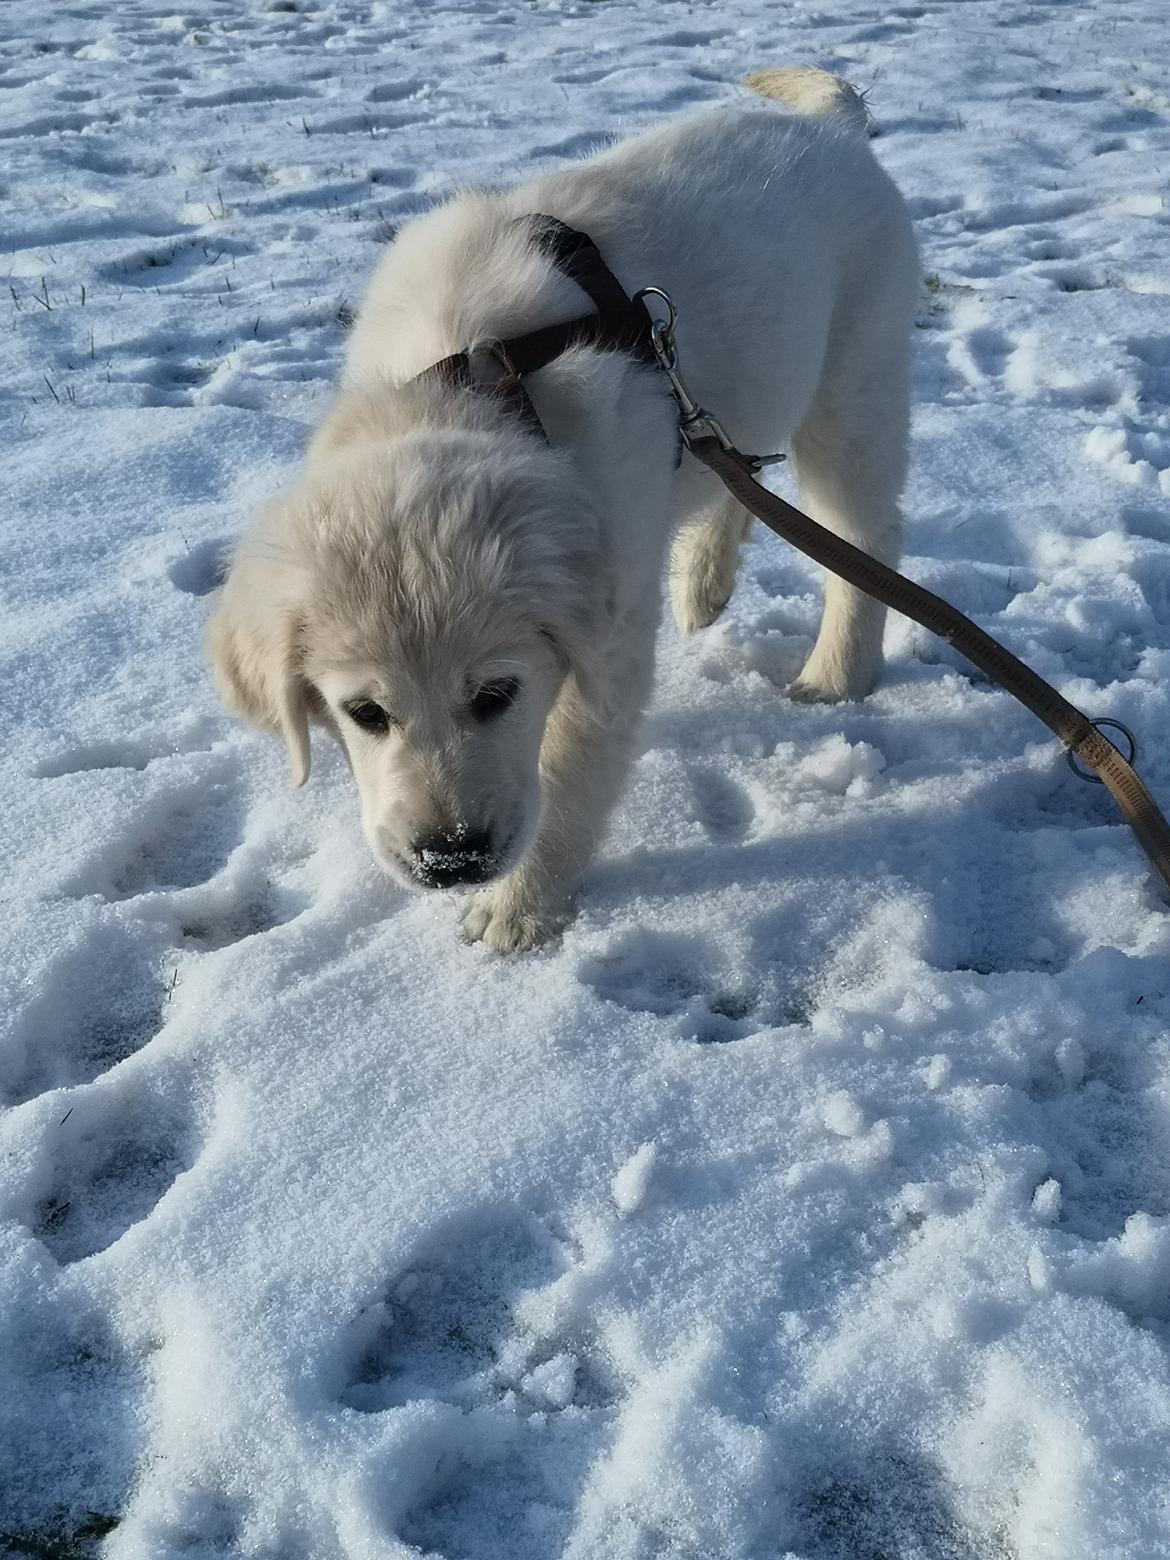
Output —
<point x="708" y="443"/>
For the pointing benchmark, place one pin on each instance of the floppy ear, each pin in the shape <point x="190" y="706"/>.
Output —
<point x="578" y="630"/>
<point x="253" y="643"/>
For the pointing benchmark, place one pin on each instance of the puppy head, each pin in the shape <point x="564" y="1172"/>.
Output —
<point x="424" y="599"/>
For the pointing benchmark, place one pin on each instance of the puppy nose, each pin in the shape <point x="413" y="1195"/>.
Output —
<point x="443" y="860"/>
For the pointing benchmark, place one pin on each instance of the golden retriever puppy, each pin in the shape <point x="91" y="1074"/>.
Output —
<point x="470" y="608"/>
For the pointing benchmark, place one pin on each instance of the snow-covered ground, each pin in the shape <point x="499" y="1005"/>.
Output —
<point x="811" y="1198"/>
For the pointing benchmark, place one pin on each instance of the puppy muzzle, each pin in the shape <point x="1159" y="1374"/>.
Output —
<point x="442" y="860"/>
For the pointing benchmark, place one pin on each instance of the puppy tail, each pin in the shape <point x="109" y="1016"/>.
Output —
<point x="816" y="93"/>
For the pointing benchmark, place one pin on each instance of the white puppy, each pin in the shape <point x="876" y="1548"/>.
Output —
<point x="471" y="610"/>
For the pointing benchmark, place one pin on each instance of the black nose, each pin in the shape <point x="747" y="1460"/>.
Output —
<point x="442" y="860"/>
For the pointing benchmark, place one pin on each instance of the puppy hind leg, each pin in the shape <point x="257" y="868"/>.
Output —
<point x="704" y="561"/>
<point x="850" y="454"/>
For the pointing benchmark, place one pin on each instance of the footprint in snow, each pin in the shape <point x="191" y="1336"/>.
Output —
<point x="1076" y="278"/>
<point x="170" y="265"/>
<point x="452" y="1330"/>
<point x="203" y="1523"/>
<point x="669" y="976"/>
<point x="178" y="841"/>
<point x="724" y="808"/>
<point x="585" y="78"/>
<point x="897" y="1505"/>
<point x="65" y="1375"/>
<point x="89" y="158"/>
<point x="182" y="849"/>
<point x="583" y="144"/>
<point x="987" y="216"/>
<point x="50" y="124"/>
<point x="88" y="757"/>
<point x="684" y="38"/>
<point x="1152" y="355"/>
<point x="112" y="1160"/>
<point x="446" y="1330"/>
<point x="533" y="1481"/>
<point x="202" y="568"/>
<point x="96" y="1004"/>
<point x="1068" y="94"/>
<point x="258" y="92"/>
<point x="367" y="123"/>
<point x="1152" y="524"/>
<point x="675" y="99"/>
<point x="223" y="916"/>
<point x="396" y="91"/>
<point x="979" y="355"/>
<point x="1047" y="246"/>
<point x="881" y="32"/>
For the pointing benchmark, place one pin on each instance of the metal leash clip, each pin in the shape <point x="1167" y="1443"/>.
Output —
<point x="695" y="422"/>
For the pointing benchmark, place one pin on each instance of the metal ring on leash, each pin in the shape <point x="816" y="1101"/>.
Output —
<point x="1115" y="725"/>
<point x="657" y="292"/>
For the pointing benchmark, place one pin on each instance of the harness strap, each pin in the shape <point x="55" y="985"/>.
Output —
<point x="619" y="325"/>
<point x="886" y="585"/>
<point x="456" y="371"/>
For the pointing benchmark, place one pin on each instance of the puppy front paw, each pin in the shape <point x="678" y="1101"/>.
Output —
<point x="511" y="922"/>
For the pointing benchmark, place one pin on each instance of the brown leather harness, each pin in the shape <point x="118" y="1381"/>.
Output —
<point x="624" y="324"/>
<point x="617" y="324"/>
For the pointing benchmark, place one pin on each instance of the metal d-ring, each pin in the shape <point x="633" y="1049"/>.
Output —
<point x="657" y="292"/>
<point x="695" y="421"/>
<point x="1114" y="725"/>
<point x="661" y="331"/>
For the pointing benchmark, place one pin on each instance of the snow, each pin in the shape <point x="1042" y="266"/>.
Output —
<point x="843" y="1115"/>
<point x="632" y="1181"/>
<point x="810" y="1198"/>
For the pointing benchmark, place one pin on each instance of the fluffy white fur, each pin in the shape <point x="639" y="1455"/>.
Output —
<point x="434" y="546"/>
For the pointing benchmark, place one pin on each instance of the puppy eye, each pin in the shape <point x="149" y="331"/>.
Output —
<point x="495" y="697"/>
<point x="368" y="715"/>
